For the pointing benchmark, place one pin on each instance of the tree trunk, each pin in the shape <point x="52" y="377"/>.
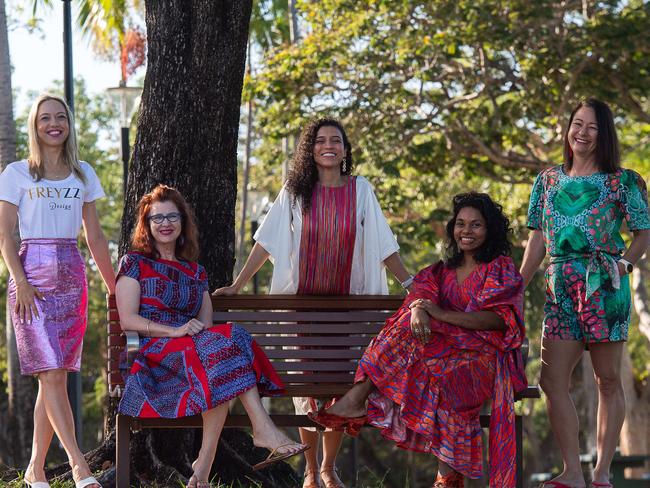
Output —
<point x="246" y="173"/>
<point x="16" y="414"/>
<point x="187" y="138"/>
<point x="189" y="118"/>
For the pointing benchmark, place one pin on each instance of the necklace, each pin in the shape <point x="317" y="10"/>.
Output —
<point x="55" y="175"/>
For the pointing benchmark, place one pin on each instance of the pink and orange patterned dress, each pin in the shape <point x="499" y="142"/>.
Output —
<point x="428" y="397"/>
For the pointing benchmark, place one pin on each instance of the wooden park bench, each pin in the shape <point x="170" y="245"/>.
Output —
<point x="314" y="343"/>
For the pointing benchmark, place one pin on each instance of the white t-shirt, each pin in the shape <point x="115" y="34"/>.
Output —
<point x="48" y="208"/>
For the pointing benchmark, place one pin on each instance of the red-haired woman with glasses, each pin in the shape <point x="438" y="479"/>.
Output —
<point x="187" y="366"/>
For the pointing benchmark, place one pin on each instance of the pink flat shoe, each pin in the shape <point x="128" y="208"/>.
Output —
<point x="350" y="425"/>
<point x="595" y="484"/>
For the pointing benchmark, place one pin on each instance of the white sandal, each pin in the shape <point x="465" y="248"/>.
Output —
<point x="91" y="480"/>
<point x="36" y="484"/>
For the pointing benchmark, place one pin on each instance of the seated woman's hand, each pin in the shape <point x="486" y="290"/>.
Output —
<point x="192" y="327"/>
<point x="420" y="324"/>
<point x="430" y="307"/>
<point x="226" y="290"/>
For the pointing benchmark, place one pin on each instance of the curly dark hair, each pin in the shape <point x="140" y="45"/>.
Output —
<point x="497" y="241"/>
<point x="303" y="174"/>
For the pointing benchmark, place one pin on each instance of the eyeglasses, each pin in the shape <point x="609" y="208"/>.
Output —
<point x="160" y="218"/>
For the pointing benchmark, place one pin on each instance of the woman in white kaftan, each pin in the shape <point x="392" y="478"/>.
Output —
<point x="281" y="231"/>
<point x="325" y="235"/>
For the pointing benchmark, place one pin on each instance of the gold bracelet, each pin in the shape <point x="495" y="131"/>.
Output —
<point x="148" y="324"/>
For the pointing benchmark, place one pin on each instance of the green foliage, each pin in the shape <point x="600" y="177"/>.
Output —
<point x="444" y="97"/>
<point x="455" y="95"/>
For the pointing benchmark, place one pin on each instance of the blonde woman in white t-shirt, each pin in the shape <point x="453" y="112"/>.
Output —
<point x="51" y="194"/>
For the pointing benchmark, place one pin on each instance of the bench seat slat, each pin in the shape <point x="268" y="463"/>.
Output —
<point x="281" y="420"/>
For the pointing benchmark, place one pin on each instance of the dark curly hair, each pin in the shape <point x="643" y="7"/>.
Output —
<point x="497" y="241"/>
<point x="303" y="174"/>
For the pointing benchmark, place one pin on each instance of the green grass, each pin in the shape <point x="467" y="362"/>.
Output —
<point x="54" y="483"/>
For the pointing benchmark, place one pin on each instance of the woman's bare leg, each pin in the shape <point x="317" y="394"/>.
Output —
<point x="606" y="359"/>
<point x="353" y="403"/>
<point x="41" y="440"/>
<point x="332" y="441"/>
<point x="265" y="433"/>
<point x="559" y="358"/>
<point x="53" y="387"/>
<point x="213" y="421"/>
<point x="310" y="438"/>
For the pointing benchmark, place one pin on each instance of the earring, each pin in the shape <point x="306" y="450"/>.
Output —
<point x="344" y="165"/>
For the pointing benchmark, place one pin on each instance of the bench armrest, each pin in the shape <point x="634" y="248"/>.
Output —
<point x="132" y="346"/>
<point x="524" y="350"/>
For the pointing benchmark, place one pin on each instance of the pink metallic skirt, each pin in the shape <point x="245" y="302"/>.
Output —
<point x="55" y="339"/>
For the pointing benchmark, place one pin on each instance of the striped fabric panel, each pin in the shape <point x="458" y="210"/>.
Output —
<point x="327" y="241"/>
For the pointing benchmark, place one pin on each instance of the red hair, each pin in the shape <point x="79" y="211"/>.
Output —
<point x="187" y="245"/>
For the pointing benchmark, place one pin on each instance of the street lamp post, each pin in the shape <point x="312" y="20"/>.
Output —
<point x="74" y="379"/>
<point x="126" y="97"/>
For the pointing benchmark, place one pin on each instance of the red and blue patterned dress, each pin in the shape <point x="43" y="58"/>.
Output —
<point x="428" y="397"/>
<point x="183" y="376"/>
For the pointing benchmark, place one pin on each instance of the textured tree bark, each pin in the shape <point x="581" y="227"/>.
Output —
<point x="189" y="118"/>
<point x="187" y="138"/>
<point x="16" y="414"/>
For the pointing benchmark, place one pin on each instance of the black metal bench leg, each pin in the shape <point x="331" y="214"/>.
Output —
<point x="520" y="450"/>
<point x="122" y="441"/>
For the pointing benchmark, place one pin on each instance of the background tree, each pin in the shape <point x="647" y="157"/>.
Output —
<point x="441" y="97"/>
<point x="15" y="427"/>
<point x="187" y="137"/>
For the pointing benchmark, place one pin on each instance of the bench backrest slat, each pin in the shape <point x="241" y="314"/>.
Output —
<point x="304" y="316"/>
<point x="313" y="354"/>
<point x="324" y="340"/>
<point x="272" y="328"/>
<point x="261" y="303"/>
<point x="298" y="366"/>
<point x="315" y="378"/>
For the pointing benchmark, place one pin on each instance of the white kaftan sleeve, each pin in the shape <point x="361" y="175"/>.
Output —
<point x="378" y="241"/>
<point x="276" y="236"/>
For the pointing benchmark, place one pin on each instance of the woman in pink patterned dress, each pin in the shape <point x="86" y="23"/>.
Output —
<point x="453" y="344"/>
<point x="326" y="235"/>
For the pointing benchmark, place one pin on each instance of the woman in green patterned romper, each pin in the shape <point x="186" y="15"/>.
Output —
<point x="575" y="214"/>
